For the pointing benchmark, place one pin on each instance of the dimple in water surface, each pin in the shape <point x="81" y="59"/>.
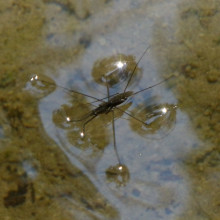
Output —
<point x="147" y="119"/>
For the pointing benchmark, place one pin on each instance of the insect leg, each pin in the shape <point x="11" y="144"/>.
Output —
<point x="135" y="93"/>
<point x="132" y="116"/>
<point x="107" y="87"/>
<point x="114" y="138"/>
<point x="77" y="120"/>
<point x="129" y="80"/>
<point x="82" y="134"/>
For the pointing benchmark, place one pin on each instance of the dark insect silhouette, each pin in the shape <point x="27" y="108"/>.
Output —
<point x="115" y="101"/>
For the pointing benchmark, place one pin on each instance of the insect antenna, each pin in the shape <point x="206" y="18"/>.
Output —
<point x="129" y="80"/>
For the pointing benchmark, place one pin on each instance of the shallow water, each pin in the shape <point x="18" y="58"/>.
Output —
<point x="48" y="171"/>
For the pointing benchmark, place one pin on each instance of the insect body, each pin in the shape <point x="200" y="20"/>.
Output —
<point x="109" y="104"/>
<point x="104" y="108"/>
<point x="112" y="103"/>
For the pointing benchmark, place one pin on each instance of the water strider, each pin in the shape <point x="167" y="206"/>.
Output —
<point x="110" y="103"/>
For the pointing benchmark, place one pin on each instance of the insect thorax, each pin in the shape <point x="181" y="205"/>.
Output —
<point x="119" y="98"/>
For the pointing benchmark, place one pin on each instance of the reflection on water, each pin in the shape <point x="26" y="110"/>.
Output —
<point x="85" y="124"/>
<point x="159" y="119"/>
<point x="116" y="70"/>
<point x="118" y="174"/>
<point x="197" y="92"/>
<point x="75" y="113"/>
<point x="168" y="168"/>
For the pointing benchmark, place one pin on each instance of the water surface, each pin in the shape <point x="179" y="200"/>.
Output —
<point x="48" y="171"/>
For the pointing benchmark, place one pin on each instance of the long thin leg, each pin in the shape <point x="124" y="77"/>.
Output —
<point x="36" y="77"/>
<point x="135" y="93"/>
<point x="82" y="134"/>
<point x="107" y="86"/>
<point x="77" y="120"/>
<point x="129" y="80"/>
<point x="114" y="138"/>
<point x="113" y="127"/>
<point x="132" y="116"/>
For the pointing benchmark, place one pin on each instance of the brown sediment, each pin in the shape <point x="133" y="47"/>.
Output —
<point x="43" y="189"/>
<point x="194" y="57"/>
